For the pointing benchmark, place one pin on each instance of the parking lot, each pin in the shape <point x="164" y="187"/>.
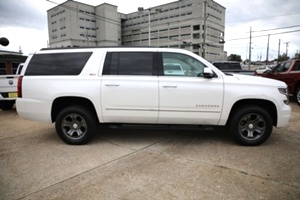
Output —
<point x="146" y="164"/>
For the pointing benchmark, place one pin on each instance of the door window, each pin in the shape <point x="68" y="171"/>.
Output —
<point x="297" y="66"/>
<point x="129" y="63"/>
<point x="175" y="64"/>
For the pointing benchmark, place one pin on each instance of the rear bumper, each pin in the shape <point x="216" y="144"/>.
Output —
<point x="34" y="110"/>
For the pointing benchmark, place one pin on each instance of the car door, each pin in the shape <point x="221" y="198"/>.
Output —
<point x="187" y="97"/>
<point x="129" y="88"/>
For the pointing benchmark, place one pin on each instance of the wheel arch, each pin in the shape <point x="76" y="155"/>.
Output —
<point x="265" y="104"/>
<point x="62" y="102"/>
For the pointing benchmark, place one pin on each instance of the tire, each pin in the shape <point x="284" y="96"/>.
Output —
<point x="298" y="96"/>
<point x="6" y="105"/>
<point x="250" y="125"/>
<point x="75" y="125"/>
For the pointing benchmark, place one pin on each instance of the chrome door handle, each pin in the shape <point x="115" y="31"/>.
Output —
<point x="112" y="84"/>
<point x="169" y="86"/>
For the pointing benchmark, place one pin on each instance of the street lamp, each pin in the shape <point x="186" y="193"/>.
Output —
<point x="141" y="9"/>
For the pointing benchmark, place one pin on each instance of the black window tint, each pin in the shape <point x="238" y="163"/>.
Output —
<point x="297" y="66"/>
<point x="2" y="68"/>
<point x="129" y="63"/>
<point x="57" y="63"/>
<point x="227" y="66"/>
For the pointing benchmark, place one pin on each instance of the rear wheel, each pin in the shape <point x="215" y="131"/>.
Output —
<point x="75" y="125"/>
<point x="251" y="125"/>
<point x="6" y="105"/>
<point x="298" y="96"/>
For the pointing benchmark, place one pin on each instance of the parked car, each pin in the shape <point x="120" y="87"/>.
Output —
<point x="80" y="88"/>
<point x="288" y="72"/>
<point x="232" y="67"/>
<point x="260" y="70"/>
<point x="8" y="89"/>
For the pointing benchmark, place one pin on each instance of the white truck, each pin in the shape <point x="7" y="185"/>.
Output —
<point x="8" y="89"/>
<point x="80" y="88"/>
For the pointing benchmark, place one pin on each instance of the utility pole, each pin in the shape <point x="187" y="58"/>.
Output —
<point x="268" y="50"/>
<point x="204" y="31"/>
<point x="278" y="50"/>
<point x="250" y="48"/>
<point x="286" y="50"/>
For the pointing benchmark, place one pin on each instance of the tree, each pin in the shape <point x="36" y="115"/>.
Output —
<point x="297" y="55"/>
<point x="283" y="57"/>
<point x="234" y="57"/>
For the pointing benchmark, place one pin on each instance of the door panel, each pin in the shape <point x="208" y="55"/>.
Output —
<point x="129" y="87"/>
<point x="185" y="96"/>
<point x="128" y="99"/>
<point x="194" y="100"/>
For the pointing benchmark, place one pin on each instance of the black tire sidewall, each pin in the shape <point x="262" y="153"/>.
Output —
<point x="239" y="114"/>
<point x="297" y="93"/>
<point x="83" y="112"/>
<point x="6" y="105"/>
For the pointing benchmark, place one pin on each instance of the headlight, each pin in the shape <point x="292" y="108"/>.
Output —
<point x="285" y="92"/>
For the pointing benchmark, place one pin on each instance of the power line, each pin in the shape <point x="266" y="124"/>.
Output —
<point x="264" y="35"/>
<point x="277" y="28"/>
<point x="263" y="18"/>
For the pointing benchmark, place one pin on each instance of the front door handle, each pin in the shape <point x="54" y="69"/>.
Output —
<point x="112" y="84"/>
<point x="169" y="86"/>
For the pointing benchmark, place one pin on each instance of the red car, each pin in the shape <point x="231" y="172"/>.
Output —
<point x="288" y="72"/>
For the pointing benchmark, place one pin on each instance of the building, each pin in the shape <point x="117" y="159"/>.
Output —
<point x="195" y="25"/>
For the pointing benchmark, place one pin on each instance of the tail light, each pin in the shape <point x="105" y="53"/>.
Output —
<point x="20" y="79"/>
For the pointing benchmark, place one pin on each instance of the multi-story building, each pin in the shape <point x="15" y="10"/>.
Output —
<point x="195" y="25"/>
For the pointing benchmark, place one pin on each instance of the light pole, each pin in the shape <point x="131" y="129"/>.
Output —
<point x="141" y="9"/>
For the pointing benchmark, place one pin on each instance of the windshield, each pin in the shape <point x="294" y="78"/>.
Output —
<point x="282" y="67"/>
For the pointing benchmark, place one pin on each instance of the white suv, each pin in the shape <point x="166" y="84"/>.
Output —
<point x="78" y="88"/>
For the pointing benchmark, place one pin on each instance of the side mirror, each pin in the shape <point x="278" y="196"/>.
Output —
<point x="208" y="73"/>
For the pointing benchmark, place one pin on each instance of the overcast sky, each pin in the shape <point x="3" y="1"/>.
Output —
<point x="24" y="23"/>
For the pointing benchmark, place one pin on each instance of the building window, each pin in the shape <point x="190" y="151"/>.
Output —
<point x="196" y="27"/>
<point x="196" y="35"/>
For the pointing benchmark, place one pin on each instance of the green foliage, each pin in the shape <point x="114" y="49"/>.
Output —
<point x="283" y="57"/>
<point x="234" y="57"/>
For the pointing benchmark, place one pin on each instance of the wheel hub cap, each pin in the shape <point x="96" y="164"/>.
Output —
<point x="75" y="126"/>
<point x="251" y="126"/>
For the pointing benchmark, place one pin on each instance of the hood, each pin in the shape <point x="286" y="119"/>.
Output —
<point x="256" y="80"/>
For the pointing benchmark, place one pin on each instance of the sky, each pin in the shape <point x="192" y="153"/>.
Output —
<point x="24" y="23"/>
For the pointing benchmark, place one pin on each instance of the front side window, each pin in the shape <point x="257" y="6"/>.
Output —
<point x="129" y="63"/>
<point x="175" y="64"/>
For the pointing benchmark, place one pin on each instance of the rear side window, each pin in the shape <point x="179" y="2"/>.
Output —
<point x="57" y="63"/>
<point x="129" y="63"/>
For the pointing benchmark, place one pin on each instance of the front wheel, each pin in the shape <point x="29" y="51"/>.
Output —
<point x="75" y="125"/>
<point x="251" y="125"/>
<point x="298" y="96"/>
